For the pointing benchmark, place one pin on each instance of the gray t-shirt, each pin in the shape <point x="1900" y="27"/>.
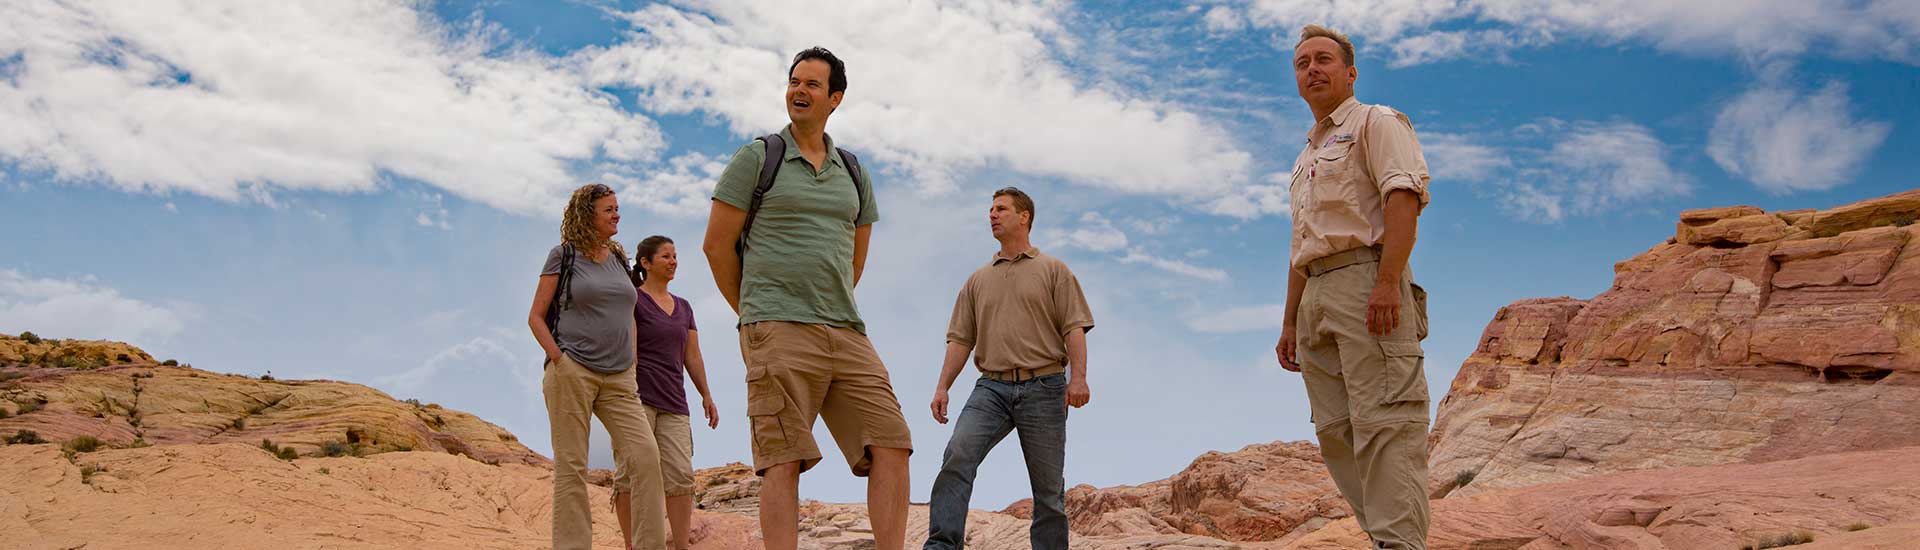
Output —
<point x="597" y="331"/>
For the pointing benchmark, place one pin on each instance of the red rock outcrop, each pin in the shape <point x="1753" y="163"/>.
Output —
<point x="1263" y="492"/>
<point x="1748" y="337"/>
<point x="1725" y="506"/>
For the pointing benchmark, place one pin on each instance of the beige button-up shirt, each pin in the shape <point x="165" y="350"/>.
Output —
<point x="1352" y="159"/>
<point x="1016" y="313"/>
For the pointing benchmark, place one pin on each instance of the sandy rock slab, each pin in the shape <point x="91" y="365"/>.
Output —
<point x="1684" y="508"/>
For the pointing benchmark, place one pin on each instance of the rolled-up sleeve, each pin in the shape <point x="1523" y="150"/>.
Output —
<point x="961" y="329"/>
<point x="1393" y="155"/>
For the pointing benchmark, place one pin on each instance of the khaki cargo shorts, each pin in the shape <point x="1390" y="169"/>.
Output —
<point x="797" y="372"/>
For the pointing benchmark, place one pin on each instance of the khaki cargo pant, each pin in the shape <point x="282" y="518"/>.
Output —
<point x="574" y="396"/>
<point x="673" y="433"/>
<point x="1369" y="400"/>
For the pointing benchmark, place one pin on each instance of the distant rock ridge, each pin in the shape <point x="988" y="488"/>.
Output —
<point x="1747" y="337"/>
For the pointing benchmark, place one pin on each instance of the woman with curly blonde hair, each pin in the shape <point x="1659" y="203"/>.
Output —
<point x="583" y="319"/>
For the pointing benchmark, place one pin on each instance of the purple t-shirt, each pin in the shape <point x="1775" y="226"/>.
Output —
<point x="662" y="352"/>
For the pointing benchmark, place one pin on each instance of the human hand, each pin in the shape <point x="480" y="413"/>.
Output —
<point x="939" y="406"/>
<point x="1288" y="350"/>
<point x="1383" y="309"/>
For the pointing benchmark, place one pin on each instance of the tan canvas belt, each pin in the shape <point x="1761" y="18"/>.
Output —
<point x="1022" y="375"/>
<point x="1344" y="258"/>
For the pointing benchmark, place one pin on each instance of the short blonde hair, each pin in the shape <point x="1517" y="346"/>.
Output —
<point x="1310" y="32"/>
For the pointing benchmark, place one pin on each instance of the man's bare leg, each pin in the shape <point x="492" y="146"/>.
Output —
<point x="780" y="507"/>
<point x="888" y="484"/>
<point x="680" y="516"/>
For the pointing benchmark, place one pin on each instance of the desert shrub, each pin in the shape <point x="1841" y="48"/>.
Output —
<point x="11" y="376"/>
<point x="324" y="471"/>
<point x="25" y="437"/>
<point x="1464" y="477"/>
<point x="1903" y="221"/>
<point x="336" y="448"/>
<point x="415" y="402"/>
<point x="266" y="377"/>
<point x="239" y="423"/>
<point x="3" y="414"/>
<point x="139" y="442"/>
<point x="504" y="436"/>
<point x="170" y="363"/>
<point x="1859" y="526"/>
<point x="123" y="358"/>
<point x="1781" y="540"/>
<point x="28" y="407"/>
<point x="85" y="444"/>
<point x="287" y="453"/>
<point x="30" y="337"/>
<point x="87" y="471"/>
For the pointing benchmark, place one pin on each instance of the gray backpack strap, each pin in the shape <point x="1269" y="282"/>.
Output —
<point x="853" y="169"/>
<point x="769" y="167"/>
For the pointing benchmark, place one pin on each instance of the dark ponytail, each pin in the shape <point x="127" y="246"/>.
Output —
<point x="645" y="251"/>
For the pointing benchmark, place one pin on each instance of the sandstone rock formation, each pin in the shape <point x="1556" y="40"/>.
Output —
<point x="147" y="404"/>
<point x="1263" y="492"/>
<point x="1748" y="337"/>
<point x="1716" y="507"/>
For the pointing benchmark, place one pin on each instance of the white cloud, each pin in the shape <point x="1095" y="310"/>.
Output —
<point x="934" y="89"/>
<point x="235" y="99"/>
<point x="683" y="188"/>
<point x="1095" y="233"/>
<point x="1453" y="157"/>
<point x="1239" y="319"/>
<point x="1785" y="142"/>
<point x="1562" y="168"/>
<point x="1178" y="267"/>
<point x="82" y="308"/>
<point x="1421" y="31"/>
<point x="1252" y="201"/>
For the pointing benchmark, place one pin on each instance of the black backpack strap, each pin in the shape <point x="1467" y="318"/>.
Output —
<point x="563" y="292"/>
<point x="621" y="255"/>
<point x="853" y="169"/>
<point x="769" y="167"/>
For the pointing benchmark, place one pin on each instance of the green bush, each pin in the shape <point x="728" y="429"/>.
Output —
<point x="170" y="363"/>
<point x="25" y="437"/>
<point x="30" y="337"/>
<point x="287" y="453"/>
<point x="85" y="444"/>
<point x="336" y="448"/>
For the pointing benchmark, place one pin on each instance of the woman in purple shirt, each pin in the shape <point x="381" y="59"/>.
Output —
<point x="667" y="343"/>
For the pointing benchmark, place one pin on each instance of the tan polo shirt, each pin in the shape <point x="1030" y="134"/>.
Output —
<point x="1353" y="158"/>
<point x="1016" y="313"/>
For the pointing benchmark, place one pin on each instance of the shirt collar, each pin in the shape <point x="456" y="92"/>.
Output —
<point x="1336" y="118"/>
<point x="1030" y="253"/>
<point x="793" y="150"/>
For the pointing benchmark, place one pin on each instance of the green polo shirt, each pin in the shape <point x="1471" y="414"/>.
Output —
<point x="798" y="262"/>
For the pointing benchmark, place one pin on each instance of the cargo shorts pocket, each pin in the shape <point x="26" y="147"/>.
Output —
<point x="765" y="401"/>
<point x="1406" y="378"/>
<point x="1420" y="311"/>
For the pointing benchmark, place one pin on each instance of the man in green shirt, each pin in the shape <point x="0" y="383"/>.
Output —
<point x="801" y="336"/>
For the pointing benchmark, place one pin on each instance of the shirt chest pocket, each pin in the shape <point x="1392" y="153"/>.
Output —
<point x="1332" y="176"/>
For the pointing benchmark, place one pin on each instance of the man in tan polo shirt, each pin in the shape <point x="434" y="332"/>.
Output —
<point x="1024" y="320"/>
<point x="1354" y="317"/>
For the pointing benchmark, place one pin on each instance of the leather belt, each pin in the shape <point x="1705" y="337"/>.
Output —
<point x="1022" y="375"/>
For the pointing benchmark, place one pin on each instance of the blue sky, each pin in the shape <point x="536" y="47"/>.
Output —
<point x="363" y="192"/>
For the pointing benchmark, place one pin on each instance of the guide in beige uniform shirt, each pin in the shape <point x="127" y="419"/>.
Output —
<point x="1354" y="317"/>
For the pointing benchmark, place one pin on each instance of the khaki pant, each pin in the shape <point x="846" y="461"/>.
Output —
<point x="574" y="395"/>
<point x="797" y="372"/>
<point x="673" y="433"/>
<point x="1369" y="400"/>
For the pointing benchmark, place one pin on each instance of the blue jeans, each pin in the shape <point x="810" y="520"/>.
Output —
<point x="1038" y="408"/>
